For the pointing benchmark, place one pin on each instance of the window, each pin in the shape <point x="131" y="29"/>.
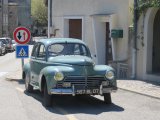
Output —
<point x="0" y="43"/>
<point x="4" y="41"/>
<point x="41" y="52"/>
<point x="35" y="49"/>
<point x="56" y="48"/>
<point x="68" y="49"/>
<point x="11" y="1"/>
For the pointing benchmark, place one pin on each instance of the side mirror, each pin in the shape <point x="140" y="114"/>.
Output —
<point x="93" y="56"/>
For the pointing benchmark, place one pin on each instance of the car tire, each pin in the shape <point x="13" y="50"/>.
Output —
<point x="29" y="88"/>
<point x="107" y="98"/>
<point x="47" y="98"/>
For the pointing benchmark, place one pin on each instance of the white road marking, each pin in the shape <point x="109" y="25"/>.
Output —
<point x="3" y="73"/>
<point x="69" y="116"/>
<point x="20" y="89"/>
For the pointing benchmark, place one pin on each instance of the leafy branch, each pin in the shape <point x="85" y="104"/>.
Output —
<point x="144" y="4"/>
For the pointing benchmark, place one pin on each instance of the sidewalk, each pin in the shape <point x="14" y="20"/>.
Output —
<point x="11" y="76"/>
<point x="147" y="88"/>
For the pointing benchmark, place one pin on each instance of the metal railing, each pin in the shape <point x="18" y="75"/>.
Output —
<point x="122" y="70"/>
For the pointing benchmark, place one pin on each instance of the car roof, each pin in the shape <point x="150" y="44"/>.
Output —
<point x="49" y="41"/>
<point x="5" y="38"/>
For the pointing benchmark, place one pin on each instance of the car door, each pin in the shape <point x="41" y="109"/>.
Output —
<point x="33" y="63"/>
<point x="38" y="63"/>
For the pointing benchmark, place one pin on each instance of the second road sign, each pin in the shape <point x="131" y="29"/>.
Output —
<point x="22" y="51"/>
<point x="22" y="35"/>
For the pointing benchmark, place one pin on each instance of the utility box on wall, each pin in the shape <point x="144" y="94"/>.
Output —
<point x="115" y="33"/>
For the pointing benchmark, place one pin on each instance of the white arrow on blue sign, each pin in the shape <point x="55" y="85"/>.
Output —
<point x="22" y="51"/>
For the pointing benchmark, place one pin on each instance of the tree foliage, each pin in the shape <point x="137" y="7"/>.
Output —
<point x="39" y="12"/>
<point x="144" y="4"/>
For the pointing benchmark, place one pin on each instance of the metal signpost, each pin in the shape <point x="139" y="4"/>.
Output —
<point x="22" y="36"/>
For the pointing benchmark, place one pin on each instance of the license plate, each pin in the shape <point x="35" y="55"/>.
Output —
<point x="88" y="91"/>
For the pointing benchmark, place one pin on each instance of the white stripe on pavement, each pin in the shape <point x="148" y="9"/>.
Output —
<point x="3" y="73"/>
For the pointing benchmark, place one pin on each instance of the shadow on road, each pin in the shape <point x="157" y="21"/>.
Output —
<point x="76" y="105"/>
<point x="19" y="81"/>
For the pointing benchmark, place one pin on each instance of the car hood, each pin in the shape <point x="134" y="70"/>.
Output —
<point x="72" y="60"/>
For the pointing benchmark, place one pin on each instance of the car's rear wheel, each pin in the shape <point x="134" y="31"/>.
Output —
<point x="107" y="98"/>
<point x="47" y="98"/>
<point x="29" y="88"/>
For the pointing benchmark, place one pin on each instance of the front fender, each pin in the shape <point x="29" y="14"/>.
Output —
<point x="26" y="68"/>
<point x="102" y="69"/>
<point x="49" y="72"/>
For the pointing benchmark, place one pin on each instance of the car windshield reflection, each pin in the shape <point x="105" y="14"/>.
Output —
<point x="68" y="49"/>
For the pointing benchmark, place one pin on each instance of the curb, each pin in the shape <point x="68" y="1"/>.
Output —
<point x="13" y="76"/>
<point x="12" y="79"/>
<point x="139" y="93"/>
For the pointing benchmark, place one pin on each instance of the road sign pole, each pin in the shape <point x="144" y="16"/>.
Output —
<point x="22" y="36"/>
<point x="22" y="62"/>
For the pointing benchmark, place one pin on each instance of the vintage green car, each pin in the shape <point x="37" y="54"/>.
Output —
<point x="64" y="66"/>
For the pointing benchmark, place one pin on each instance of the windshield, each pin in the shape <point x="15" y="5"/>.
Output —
<point x="68" y="49"/>
<point x="4" y="41"/>
<point x="0" y="43"/>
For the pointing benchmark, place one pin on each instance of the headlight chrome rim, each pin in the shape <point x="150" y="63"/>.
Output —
<point x="59" y="76"/>
<point x="110" y="75"/>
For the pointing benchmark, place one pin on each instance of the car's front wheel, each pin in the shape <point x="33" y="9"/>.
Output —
<point x="107" y="98"/>
<point x="47" y="98"/>
<point x="29" y="88"/>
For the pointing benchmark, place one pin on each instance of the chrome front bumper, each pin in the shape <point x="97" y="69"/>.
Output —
<point x="71" y="91"/>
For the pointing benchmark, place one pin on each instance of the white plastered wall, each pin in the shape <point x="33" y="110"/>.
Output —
<point x="86" y="8"/>
<point x="144" y="54"/>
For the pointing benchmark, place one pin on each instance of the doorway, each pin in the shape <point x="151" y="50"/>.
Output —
<point x="75" y="28"/>
<point x="109" y="56"/>
<point x="156" y="44"/>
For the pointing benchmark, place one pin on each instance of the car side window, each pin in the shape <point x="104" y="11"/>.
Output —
<point x="80" y="50"/>
<point x="34" y="52"/>
<point x="41" y="52"/>
<point x="83" y="50"/>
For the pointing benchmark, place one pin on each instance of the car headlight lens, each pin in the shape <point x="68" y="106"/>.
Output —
<point x="59" y="76"/>
<point x="110" y="75"/>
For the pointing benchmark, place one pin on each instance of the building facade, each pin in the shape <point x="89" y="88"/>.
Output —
<point x="102" y="24"/>
<point x="148" y="44"/>
<point x="1" y="18"/>
<point x="14" y="13"/>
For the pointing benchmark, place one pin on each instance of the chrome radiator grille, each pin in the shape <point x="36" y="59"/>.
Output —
<point x="83" y="82"/>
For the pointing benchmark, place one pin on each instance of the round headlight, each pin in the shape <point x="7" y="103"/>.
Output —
<point x="59" y="76"/>
<point x="110" y="75"/>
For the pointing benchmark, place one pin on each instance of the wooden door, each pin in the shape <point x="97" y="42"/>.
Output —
<point x="75" y="28"/>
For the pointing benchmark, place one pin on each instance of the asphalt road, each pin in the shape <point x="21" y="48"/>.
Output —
<point x="16" y="104"/>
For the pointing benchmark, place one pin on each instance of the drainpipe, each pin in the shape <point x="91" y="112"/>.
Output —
<point x="134" y="49"/>
<point x="49" y="17"/>
<point x="2" y="18"/>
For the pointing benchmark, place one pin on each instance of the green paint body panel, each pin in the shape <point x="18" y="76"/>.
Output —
<point x="69" y="65"/>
